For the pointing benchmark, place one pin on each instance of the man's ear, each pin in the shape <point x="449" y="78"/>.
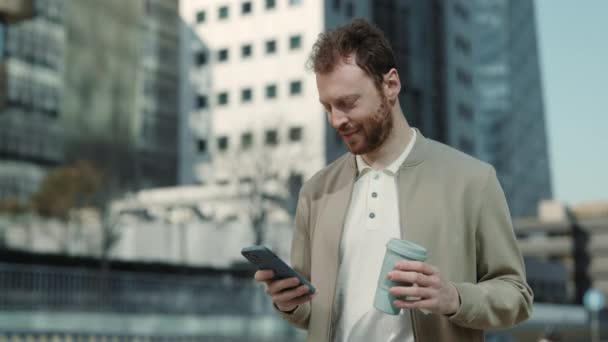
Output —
<point x="392" y="85"/>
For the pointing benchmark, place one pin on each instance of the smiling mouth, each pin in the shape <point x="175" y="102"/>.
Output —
<point x="348" y="135"/>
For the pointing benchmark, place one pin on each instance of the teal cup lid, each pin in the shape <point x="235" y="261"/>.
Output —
<point x="407" y="249"/>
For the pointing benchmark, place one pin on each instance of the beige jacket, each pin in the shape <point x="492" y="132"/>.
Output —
<point x="451" y="204"/>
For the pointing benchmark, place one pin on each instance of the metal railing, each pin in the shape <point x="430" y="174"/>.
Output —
<point x="34" y="287"/>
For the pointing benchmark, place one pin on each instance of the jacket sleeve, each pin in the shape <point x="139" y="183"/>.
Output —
<point x="300" y="259"/>
<point x="501" y="298"/>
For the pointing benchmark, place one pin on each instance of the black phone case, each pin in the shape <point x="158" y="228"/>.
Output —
<point x="264" y="259"/>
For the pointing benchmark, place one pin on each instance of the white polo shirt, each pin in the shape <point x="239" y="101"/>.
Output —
<point x="372" y="220"/>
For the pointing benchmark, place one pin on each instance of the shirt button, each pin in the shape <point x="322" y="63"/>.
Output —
<point x="376" y="176"/>
<point x="372" y="215"/>
<point x="374" y="194"/>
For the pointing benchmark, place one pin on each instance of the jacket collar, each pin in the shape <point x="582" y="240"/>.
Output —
<point x="417" y="154"/>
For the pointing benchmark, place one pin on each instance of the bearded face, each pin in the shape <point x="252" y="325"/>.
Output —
<point x="368" y="133"/>
<point x="358" y="107"/>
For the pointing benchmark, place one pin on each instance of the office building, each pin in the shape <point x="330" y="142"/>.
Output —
<point x="157" y="141"/>
<point x="247" y="94"/>
<point x="32" y="47"/>
<point x="509" y="121"/>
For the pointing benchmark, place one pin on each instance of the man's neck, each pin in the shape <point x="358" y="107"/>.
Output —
<point x="394" y="145"/>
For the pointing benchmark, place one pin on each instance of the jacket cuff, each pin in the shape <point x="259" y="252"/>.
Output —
<point x="466" y="313"/>
<point x="285" y="312"/>
<point x="298" y="317"/>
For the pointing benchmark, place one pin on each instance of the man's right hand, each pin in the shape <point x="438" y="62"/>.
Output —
<point x="285" y="293"/>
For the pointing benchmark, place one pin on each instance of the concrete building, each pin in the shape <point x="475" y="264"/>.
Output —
<point x="578" y="241"/>
<point x="194" y="225"/>
<point x="246" y="90"/>
<point x="32" y="47"/>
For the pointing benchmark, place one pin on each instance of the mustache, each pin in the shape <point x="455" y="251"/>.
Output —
<point x="347" y="129"/>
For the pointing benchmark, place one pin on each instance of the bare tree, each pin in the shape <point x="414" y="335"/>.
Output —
<point x="267" y="182"/>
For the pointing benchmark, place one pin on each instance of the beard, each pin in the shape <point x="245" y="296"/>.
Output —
<point x="372" y="132"/>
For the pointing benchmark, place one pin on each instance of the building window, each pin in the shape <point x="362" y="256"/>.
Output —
<point x="246" y="8"/>
<point x="465" y="112"/>
<point x="223" y="12"/>
<point x="201" y="58"/>
<point x="222" y="55"/>
<point x="464" y="77"/>
<point x="295" y="42"/>
<point x="200" y="17"/>
<point x="246" y="180"/>
<point x="295" y="134"/>
<point x="462" y="44"/>
<point x="222" y="143"/>
<point x="222" y="98"/>
<point x="272" y="137"/>
<point x="295" y="88"/>
<point x="201" y="102"/>
<point x="222" y="182"/>
<point x="350" y="10"/>
<point x="271" y="91"/>
<point x="295" y="2"/>
<point x="337" y="5"/>
<point x="271" y="4"/>
<point x="246" y="140"/>
<point x="246" y="51"/>
<point x="246" y="95"/>
<point x="271" y="47"/>
<point x="201" y="145"/>
<point x="461" y="11"/>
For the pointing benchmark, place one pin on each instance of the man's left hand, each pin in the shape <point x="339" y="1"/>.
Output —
<point x="436" y="294"/>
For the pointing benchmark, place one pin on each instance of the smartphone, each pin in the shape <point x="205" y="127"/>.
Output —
<point x="264" y="259"/>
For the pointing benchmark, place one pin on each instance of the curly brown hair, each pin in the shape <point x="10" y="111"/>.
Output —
<point x="372" y="51"/>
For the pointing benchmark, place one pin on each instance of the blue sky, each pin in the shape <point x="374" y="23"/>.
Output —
<point x="573" y="43"/>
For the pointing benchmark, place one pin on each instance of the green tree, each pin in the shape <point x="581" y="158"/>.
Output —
<point x="66" y="188"/>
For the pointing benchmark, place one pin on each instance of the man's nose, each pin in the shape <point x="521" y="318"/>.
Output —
<point x="337" y="118"/>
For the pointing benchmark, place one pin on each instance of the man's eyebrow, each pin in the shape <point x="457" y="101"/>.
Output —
<point x="351" y="97"/>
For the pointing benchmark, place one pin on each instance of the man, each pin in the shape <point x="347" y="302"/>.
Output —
<point x="395" y="183"/>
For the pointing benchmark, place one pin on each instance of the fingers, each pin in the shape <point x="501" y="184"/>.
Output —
<point x="413" y="291"/>
<point x="264" y="276"/>
<point x="415" y="266"/>
<point x="413" y="278"/>
<point x="284" y="298"/>
<point x="294" y="303"/>
<point x="277" y="286"/>
<point x="302" y="299"/>
<point x="285" y="293"/>
<point x="429" y="304"/>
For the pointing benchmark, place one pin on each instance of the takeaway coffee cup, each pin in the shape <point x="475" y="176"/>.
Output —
<point x="395" y="250"/>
